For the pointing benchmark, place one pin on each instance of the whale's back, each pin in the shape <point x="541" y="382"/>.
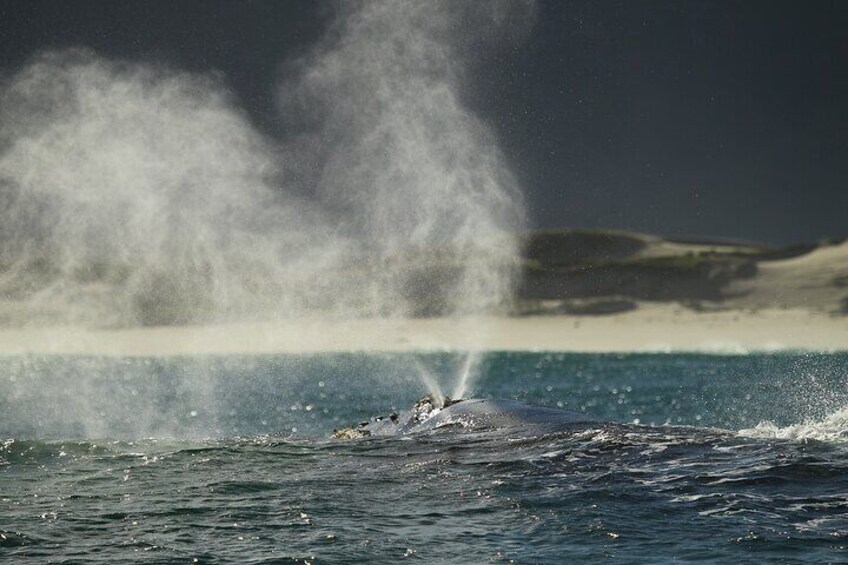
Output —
<point x="478" y="414"/>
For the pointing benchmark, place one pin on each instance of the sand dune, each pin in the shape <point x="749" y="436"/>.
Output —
<point x="816" y="281"/>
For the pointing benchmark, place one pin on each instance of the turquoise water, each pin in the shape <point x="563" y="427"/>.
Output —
<point x="227" y="460"/>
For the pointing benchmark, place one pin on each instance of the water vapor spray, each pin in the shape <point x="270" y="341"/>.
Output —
<point x="135" y="194"/>
<point x="397" y="152"/>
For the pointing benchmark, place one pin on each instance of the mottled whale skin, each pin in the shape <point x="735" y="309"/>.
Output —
<point x="474" y="414"/>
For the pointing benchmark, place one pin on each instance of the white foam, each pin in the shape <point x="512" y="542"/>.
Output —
<point x="833" y="428"/>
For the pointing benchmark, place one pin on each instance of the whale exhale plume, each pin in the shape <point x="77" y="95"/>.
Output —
<point x="138" y="195"/>
<point x="133" y="194"/>
<point x="419" y="179"/>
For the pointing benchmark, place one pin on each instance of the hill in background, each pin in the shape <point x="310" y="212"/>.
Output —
<point x="605" y="272"/>
<point x="571" y="272"/>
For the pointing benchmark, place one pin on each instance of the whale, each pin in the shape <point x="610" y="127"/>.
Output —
<point x="475" y="414"/>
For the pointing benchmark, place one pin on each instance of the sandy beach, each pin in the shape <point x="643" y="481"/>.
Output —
<point x="650" y="328"/>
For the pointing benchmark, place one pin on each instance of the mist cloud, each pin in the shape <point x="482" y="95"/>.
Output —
<point x="136" y="194"/>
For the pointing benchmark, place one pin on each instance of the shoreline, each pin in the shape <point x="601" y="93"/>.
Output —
<point x="651" y="328"/>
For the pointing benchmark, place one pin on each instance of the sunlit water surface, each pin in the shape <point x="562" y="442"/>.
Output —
<point x="227" y="460"/>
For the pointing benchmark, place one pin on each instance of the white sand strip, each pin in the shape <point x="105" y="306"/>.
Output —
<point x="650" y="328"/>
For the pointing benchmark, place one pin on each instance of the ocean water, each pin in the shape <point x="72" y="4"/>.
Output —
<point x="699" y="458"/>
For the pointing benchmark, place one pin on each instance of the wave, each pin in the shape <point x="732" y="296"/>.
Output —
<point x="833" y="428"/>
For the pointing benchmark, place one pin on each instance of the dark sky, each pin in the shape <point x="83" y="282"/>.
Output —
<point x="724" y="119"/>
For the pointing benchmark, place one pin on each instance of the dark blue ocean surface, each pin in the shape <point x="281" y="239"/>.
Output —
<point x="228" y="460"/>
